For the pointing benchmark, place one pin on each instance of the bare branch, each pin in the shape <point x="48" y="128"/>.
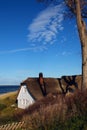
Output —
<point x="71" y="5"/>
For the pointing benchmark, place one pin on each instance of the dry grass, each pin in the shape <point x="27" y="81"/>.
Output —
<point x="57" y="112"/>
<point x="7" y="107"/>
<point x="45" y="116"/>
<point x="9" y="94"/>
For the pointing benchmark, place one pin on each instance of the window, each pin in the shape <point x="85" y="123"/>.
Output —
<point x="23" y="101"/>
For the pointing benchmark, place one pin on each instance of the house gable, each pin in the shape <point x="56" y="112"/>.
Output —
<point x="24" y="98"/>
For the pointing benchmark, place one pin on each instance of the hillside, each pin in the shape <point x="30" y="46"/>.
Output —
<point x="8" y="107"/>
<point x="58" y="112"/>
<point x="55" y="86"/>
<point x="9" y="94"/>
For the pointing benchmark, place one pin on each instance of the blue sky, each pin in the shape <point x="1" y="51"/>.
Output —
<point x="36" y="38"/>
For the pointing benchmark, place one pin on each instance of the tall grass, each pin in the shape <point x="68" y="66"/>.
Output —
<point x="58" y="113"/>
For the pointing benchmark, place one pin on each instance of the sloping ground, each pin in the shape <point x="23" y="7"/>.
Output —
<point x="8" y="107"/>
<point x="58" y="112"/>
<point x="6" y="95"/>
<point x="53" y="85"/>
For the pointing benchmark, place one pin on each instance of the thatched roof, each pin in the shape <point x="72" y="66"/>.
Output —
<point x="53" y="85"/>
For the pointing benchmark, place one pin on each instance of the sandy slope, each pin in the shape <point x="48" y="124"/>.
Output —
<point x="8" y="94"/>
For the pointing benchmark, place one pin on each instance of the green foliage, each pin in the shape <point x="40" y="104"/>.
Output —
<point x="76" y="123"/>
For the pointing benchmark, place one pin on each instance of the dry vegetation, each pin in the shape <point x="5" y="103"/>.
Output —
<point x="53" y="112"/>
<point x="9" y="94"/>
<point x="56" y="112"/>
<point x="8" y="107"/>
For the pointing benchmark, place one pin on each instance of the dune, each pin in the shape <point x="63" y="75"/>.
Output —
<point x="5" y="95"/>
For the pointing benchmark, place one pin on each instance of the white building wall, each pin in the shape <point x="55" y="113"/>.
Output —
<point x="24" y="98"/>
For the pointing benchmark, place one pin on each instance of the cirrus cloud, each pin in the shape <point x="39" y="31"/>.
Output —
<point x="35" y="48"/>
<point x="46" y="25"/>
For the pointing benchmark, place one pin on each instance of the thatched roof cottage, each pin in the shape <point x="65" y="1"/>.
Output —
<point x="32" y="89"/>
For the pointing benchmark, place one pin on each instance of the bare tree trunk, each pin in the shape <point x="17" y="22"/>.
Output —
<point x="84" y="64"/>
<point x="83" y="38"/>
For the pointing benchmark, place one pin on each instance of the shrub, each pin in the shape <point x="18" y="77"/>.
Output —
<point x="59" y="113"/>
<point x="48" y="116"/>
<point x="45" y="119"/>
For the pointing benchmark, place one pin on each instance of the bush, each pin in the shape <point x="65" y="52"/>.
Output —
<point x="48" y="115"/>
<point x="45" y="119"/>
<point x="66" y="113"/>
<point x="75" y="123"/>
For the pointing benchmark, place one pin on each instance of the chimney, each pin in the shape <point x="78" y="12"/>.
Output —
<point x="42" y="84"/>
<point x="41" y="75"/>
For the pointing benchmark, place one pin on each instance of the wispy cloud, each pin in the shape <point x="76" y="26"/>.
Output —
<point x="46" y="25"/>
<point x="69" y="53"/>
<point x="41" y="48"/>
<point x="64" y="53"/>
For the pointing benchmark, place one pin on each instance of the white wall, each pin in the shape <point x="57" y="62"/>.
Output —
<point x="24" y="98"/>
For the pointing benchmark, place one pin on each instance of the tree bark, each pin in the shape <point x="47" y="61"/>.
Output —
<point x="83" y="38"/>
